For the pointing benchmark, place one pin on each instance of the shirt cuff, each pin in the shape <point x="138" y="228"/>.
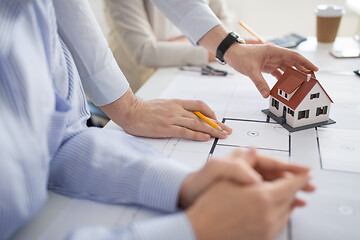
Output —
<point x="175" y="227"/>
<point x="160" y="186"/>
<point x="107" y="85"/>
<point x="205" y="20"/>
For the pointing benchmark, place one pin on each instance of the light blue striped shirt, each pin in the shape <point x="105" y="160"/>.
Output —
<point x="46" y="48"/>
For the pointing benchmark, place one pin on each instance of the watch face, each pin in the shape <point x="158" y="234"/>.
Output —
<point x="237" y="37"/>
<point x="234" y="34"/>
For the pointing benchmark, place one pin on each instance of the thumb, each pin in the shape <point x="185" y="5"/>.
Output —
<point x="242" y="173"/>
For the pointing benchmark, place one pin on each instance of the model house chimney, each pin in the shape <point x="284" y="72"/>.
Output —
<point x="308" y="77"/>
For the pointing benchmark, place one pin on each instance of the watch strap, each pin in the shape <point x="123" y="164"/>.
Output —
<point x="225" y="44"/>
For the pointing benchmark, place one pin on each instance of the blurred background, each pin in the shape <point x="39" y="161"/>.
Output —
<point x="273" y="18"/>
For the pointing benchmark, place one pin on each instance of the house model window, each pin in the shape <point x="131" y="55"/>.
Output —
<point x="275" y="103"/>
<point x="293" y="99"/>
<point x="321" y="110"/>
<point x="303" y="114"/>
<point x="315" y="95"/>
<point x="284" y="94"/>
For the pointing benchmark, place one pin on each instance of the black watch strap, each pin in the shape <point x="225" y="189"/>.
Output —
<point x="229" y="40"/>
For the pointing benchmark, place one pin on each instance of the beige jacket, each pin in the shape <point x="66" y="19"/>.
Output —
<point x="138" y="38"/>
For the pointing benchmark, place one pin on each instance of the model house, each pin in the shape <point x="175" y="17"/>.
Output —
<point x="299" y="99"/>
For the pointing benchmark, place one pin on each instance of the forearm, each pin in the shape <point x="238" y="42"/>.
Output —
<point x="165" y="54"/>
<point x="112" y="167"/>
<point x="176" y="227"/>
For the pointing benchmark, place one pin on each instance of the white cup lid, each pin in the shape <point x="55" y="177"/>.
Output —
<point x="326" y="10"/>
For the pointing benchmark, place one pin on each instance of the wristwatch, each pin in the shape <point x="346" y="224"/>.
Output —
<point x="229" y="40"/>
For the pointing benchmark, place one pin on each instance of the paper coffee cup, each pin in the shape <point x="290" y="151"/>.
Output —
<point x="328" y="19"/>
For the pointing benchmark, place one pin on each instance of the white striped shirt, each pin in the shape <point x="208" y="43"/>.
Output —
<point x="46" y="48"/>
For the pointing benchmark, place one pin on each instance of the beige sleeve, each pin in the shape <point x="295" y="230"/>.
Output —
<point x="220" y="8"/>
<point x="132" y="27"/>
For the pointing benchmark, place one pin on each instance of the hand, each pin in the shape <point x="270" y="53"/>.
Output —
<point x="252" y="60"/>
<point x="254" y="212"/>
<point x="164" y="118"/>
<point x="240" y="167"/>
<point x="255" y="41"/>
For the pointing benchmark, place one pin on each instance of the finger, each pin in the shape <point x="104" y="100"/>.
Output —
<point x="224" y="127"/>
<point x="192" y="115"/>
<point x="284" y="189"/>
<point x="298" y="203"/>
<point x="302" y="61"/>
<point x="300" y="67"/>
<point x="284" y="67"/>
<point x="182" y="132"/>
<point x="284" y="214"/>
<point x="237" y="171"/>
<point x="260" y="83"/>
<point x="269" y="177"/>
<point x="309" y="188"/>
<point x="198" y="105"/>
<point x="236" y="154"/>
<point x="198" y="125"/>
<point x="251" y="157"/>
<point x="277" y="73"/>
<point x="268" y="164"/>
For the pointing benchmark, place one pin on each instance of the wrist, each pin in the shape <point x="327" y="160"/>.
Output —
<point x="235" y="52"/>
<point x="184" y="196"/>
<point x="123" y="110"/>
<point x="231" y="39"/>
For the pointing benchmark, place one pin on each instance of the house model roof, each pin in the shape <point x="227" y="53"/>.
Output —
<point x="292" y="80"/>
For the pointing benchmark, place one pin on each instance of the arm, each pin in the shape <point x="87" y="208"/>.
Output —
<point x="229" y="189"/>
<point x="101" y="77"/>
<point x="105" y="84"/>
<point x="209" y="33"/>
<point x="133" y="29"/>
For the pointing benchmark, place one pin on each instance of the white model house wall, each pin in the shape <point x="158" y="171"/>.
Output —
<point x="306" y="104"/>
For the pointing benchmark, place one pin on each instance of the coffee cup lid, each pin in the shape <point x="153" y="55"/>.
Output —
<point x="326" y="10"/>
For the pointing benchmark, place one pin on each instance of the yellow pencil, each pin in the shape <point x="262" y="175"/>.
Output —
<point x="251" y="31"/>
<point x="207" y="120"/>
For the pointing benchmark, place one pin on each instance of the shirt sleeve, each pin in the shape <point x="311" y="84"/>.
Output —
<point x="193" y="17"/>
<point x="175" y="227"/>
<point x="113" y="167"/>
<point x="101" y="77"/>
<point x="133" y="30"/>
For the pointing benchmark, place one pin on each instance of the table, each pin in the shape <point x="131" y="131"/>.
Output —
<point x="155" y="86"/>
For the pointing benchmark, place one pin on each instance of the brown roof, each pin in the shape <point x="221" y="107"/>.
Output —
<point x="291" y="80"/>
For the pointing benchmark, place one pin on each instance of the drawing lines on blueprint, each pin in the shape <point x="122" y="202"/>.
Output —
<point x="268" y="138"/>
<point x="339" y="149"/>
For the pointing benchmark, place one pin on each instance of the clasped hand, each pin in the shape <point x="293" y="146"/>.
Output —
<point x="243" y="196"/>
